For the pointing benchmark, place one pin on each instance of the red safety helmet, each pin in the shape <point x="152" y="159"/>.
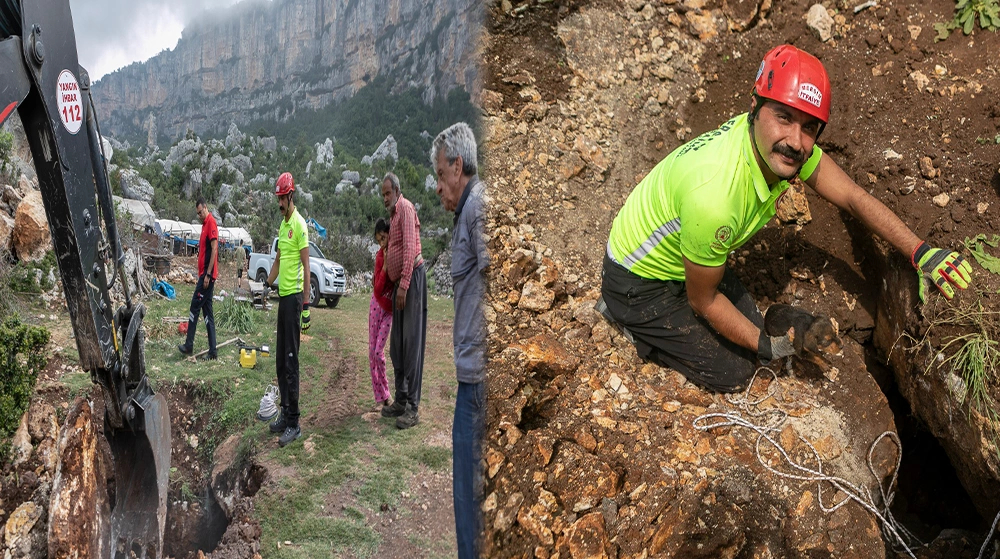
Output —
<point x="796" y="78"/>
<point x="284" y="185"/>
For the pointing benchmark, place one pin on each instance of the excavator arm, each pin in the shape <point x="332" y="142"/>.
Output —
<point x="41" y="79"/>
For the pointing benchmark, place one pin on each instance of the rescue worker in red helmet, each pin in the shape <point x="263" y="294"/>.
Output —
<point x="290" y="270"/>
<point x="665" y="282"/>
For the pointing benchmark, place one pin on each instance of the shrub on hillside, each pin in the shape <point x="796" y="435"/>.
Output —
<point x="21" y="359"/>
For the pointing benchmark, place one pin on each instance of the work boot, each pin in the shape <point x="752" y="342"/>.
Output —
<point x="279" y="425"/>
<point x="290" y="434"/>
<point x="409" y="418"/>
<point x="394" y="410"/>
<point x="184" y="349"/>
<point x="208" y="357"/>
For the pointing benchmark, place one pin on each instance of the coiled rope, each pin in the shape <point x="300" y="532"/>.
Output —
<point x="773" y="421"/>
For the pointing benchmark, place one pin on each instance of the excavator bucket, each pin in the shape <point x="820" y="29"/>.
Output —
<point x="142" y="470"/>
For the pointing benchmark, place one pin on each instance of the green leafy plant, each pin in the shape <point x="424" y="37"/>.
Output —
<point x="967" y="12"/>
<point x="985" y="259"/>
<point x="236" y="316"/>
<point x="21" y="359"/>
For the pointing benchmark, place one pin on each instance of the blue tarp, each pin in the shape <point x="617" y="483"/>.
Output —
<point x="319" y="228"/>
<point x="164" y="288"/>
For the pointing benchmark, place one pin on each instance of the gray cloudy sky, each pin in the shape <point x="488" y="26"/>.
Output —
<point x="114" y="33"/>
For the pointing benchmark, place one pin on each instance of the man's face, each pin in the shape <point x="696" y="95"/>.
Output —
<point x="283" y="204"/>
<point x="389" y="195"/>
<point x="449" y="177"/>
<point x="785" y="137"/>
<point x="202" y="213"/>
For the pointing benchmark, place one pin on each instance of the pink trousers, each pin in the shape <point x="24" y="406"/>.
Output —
<point x="379" y="325"/>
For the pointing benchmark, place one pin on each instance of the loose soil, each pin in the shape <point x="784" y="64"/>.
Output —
<point x="830" y="264"/>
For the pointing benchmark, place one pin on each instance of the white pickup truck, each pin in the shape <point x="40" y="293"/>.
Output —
<point x="327" y="278"/>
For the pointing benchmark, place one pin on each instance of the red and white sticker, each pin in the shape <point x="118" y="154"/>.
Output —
<point x="810" y="94"/>
<point x="69" y="101"/>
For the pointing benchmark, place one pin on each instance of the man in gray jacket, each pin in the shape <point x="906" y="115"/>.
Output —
<point x="454" y="158"/>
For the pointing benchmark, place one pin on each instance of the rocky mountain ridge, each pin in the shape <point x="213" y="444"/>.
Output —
<point x="266" y="60"/>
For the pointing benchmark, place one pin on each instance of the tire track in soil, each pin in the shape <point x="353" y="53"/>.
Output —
<point x="339" y="382"/>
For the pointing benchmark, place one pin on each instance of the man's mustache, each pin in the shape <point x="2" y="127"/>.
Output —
<point x="795" y="155"/>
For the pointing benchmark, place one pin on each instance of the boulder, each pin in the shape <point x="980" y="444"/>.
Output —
<point x="343" y="186"/>
<point x="20" y="534"/>
<point x="243" y="163"/>
<point x="21" y="442"/>
<point x="386" y="149"/>
<point x="6" y="231"/>
<point x="352" y="177"/>
<point x="324" y="153"/>
<point x="26" y="185"/>
<point x="430" y="183"/>
<point x="42" y="422"/>
<point x="193" y="183"/>
<point x="135" y="187"/>
<point x="31" y="236"/>
<point x="820" y="22"/>
<point x="225" y="193"/>
<point x="234" y="138"/>
<point x="79" y="511"/>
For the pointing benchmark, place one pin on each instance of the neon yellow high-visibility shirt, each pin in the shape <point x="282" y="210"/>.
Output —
<point x="704" y="200"/>
<point x="292" y="238"/>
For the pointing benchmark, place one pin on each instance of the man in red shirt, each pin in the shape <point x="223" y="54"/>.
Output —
<point x="406" y="270"/>
<point x="208" y="270"/>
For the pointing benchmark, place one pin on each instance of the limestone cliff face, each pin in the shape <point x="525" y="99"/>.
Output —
<point x="266" y="60"/>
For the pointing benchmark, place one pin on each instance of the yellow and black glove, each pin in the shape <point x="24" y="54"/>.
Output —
<point x="305" y="317"/>
<point x="941" y="268"/>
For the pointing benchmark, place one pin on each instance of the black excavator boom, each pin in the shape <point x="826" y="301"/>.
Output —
<point x="40" y="78"/>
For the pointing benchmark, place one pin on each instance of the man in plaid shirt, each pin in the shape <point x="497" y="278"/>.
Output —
<point x="406" y="270"/>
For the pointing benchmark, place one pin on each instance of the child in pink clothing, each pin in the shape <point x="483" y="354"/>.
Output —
<point x="380" y="316"/>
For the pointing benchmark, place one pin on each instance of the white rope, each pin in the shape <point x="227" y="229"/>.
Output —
<point x="268" y="403"/>
<point x="800" y="472"/>
<point x="989" y="537"/>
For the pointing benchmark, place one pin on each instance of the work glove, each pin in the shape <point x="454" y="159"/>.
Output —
<point x="941" y="268"/>
<point x="774" y="347"/>
<point x="305" y="317"/>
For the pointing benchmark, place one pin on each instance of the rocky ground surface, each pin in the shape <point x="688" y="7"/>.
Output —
<point x="592" y="453"/>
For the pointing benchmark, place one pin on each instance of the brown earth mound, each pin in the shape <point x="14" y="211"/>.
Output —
<point x="587" y="444"/>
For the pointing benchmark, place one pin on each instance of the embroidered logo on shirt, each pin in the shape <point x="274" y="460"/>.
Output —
<point x="289" y="233"/>
<point x="723" y="234"/>
<point x="810" y="94"/>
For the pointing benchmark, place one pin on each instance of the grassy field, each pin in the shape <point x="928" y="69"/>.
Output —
<point x="353" y="485"/>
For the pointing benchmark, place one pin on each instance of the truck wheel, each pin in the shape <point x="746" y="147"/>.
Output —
<point x="313" y="291"/>
<point x="261" y="275"/>
<point x="332" y="301"/>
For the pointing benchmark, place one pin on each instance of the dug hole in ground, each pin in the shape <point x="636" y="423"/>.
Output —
<point x="352" y="486"/>
<point x="592" y="453"/>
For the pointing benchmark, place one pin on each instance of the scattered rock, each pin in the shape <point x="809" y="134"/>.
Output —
<point x="6" y="230"/>
<point x="927" y="169"/>
<point x="941" y="200"/>
<point x="793" y="207"/>
<point x="891" y="155"/>
<point x="920" y="80"/>
<point x="536" y="297"/>
<point x="587" y="538"/>
<point x="545" y="355"/>
<point x="909" y="183"/>
<point x="820" y="22"/>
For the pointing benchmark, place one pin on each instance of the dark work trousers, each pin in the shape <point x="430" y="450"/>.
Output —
<point x="467" y="478"/>
<point x="201" y="301"/>
<point x="287" y="355"/>
<point x="666" y="330"/>
<point x="407" y="337"/>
